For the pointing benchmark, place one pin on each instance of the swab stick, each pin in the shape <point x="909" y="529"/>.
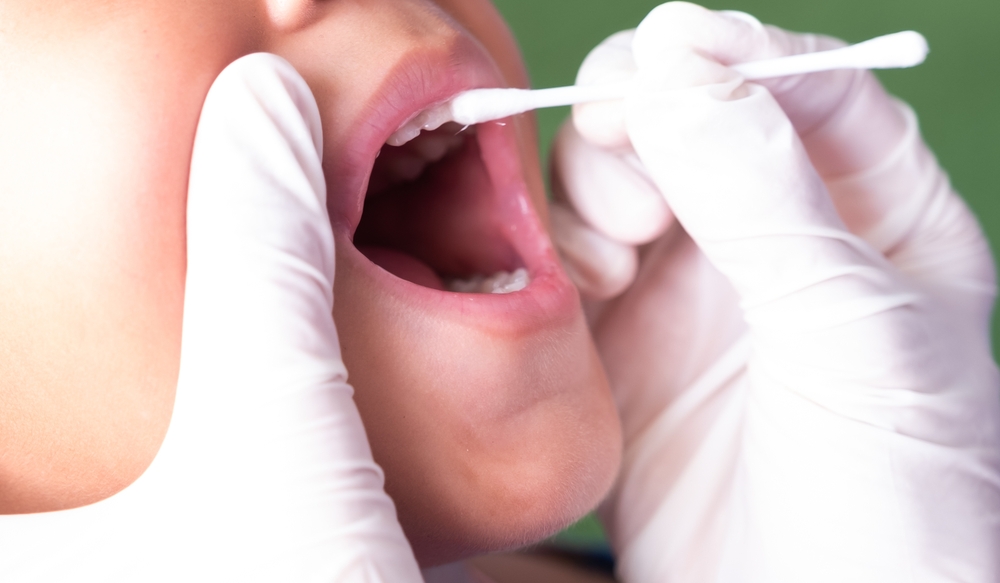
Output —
<point x="898" y="50"/>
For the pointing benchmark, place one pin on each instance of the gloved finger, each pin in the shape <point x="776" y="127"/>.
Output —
<point x="885" y="184"/>
<point x="847" y="122"/>
<point x="600" y="268"/>
<point x="724" y="37"/>
<point x="259" y="342"/>
<point x="732" y="37"/>
<point x="844" y="117"/>
<point x="602" y="123"/>
<point x="734" y="172"/>
<point x="609" y="189"/>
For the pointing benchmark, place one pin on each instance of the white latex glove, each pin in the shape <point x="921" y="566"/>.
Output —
<point x="265" y="473"/>
<point x="803" y="363"/>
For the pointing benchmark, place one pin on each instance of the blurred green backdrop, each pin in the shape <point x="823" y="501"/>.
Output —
<point x="956" y="92"/>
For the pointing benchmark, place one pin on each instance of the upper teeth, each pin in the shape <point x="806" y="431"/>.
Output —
<point x="405" y="164"/>
<point x="429" y="119"/>
<point x="501" y="282"/>
<point x="434" y="147"/>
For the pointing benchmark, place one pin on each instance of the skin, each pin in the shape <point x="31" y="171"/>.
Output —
<point x="99" y="102"/>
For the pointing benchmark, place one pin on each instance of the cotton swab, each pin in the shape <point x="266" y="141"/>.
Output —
<point x="898" y="50"/>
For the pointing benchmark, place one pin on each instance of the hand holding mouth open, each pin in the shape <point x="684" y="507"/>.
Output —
<point x="801" y="358"/>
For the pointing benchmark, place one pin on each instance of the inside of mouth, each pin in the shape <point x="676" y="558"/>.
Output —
<point x="431" y="216"/>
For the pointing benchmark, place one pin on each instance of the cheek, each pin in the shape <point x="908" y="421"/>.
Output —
<point x="487" y="441"/>
<point x="481" y="18"/>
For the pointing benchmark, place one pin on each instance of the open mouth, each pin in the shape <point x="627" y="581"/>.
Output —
<point x="433" y="215"/>
<point x="444" y="223"/>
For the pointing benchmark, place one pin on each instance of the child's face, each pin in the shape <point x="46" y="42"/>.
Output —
<point x="489" y="413"/>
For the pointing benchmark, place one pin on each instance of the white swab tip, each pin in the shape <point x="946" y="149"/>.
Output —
<point x="480" y="105"/>
<point x="902" y="49"/>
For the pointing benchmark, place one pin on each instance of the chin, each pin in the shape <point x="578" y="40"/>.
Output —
<point x="494" y="426"/>
<point x="474" y="370"/>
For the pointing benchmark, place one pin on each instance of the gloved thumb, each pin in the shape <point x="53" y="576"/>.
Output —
<point x="726" y="37"/>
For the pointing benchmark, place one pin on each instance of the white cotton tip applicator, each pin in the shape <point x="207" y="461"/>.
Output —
<point x="899" y="50"/>
<point x="892" y="51"/>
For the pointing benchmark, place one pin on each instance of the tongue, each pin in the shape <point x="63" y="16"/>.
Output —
<point x="403" y="266"/>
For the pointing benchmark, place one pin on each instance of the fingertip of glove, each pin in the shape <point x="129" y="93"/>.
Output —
<point x="728" y="36"/>
<point x="602" y="124"/>
<point x="678" y="69"/>
<point x="667" y="27"/>
<point x="599" y="267"/>
<point x="675" y="47"/>
<point x="256" y="165"/>
<point x="609" y="189"/>
<point x="271" y="79"/>
<point x="742" y="17"/>
<point x="609" y="61"/>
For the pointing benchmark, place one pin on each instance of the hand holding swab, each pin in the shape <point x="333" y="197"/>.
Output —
<point x="898" y="50"/>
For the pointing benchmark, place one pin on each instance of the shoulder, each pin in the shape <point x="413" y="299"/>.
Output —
<point x="99" y="102"/>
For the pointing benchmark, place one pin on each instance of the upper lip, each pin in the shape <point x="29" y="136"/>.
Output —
<point x="423" y="78"/>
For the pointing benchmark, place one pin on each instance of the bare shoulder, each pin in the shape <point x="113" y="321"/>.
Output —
<point x="99" y="101"/>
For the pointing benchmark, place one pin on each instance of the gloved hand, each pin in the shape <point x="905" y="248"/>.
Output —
<point x="265" y="473"/>
<point x="801" y="358"/>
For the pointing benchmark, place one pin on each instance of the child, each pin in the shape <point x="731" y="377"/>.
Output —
<point x="489" y="413"/>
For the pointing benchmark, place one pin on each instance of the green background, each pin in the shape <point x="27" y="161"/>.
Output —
<point x="955" y="93"/>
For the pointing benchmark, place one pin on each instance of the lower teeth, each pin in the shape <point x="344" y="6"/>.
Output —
<point x="501" y="282"/>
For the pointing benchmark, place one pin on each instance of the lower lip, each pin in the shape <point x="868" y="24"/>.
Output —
<point x="548" y="300"/>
